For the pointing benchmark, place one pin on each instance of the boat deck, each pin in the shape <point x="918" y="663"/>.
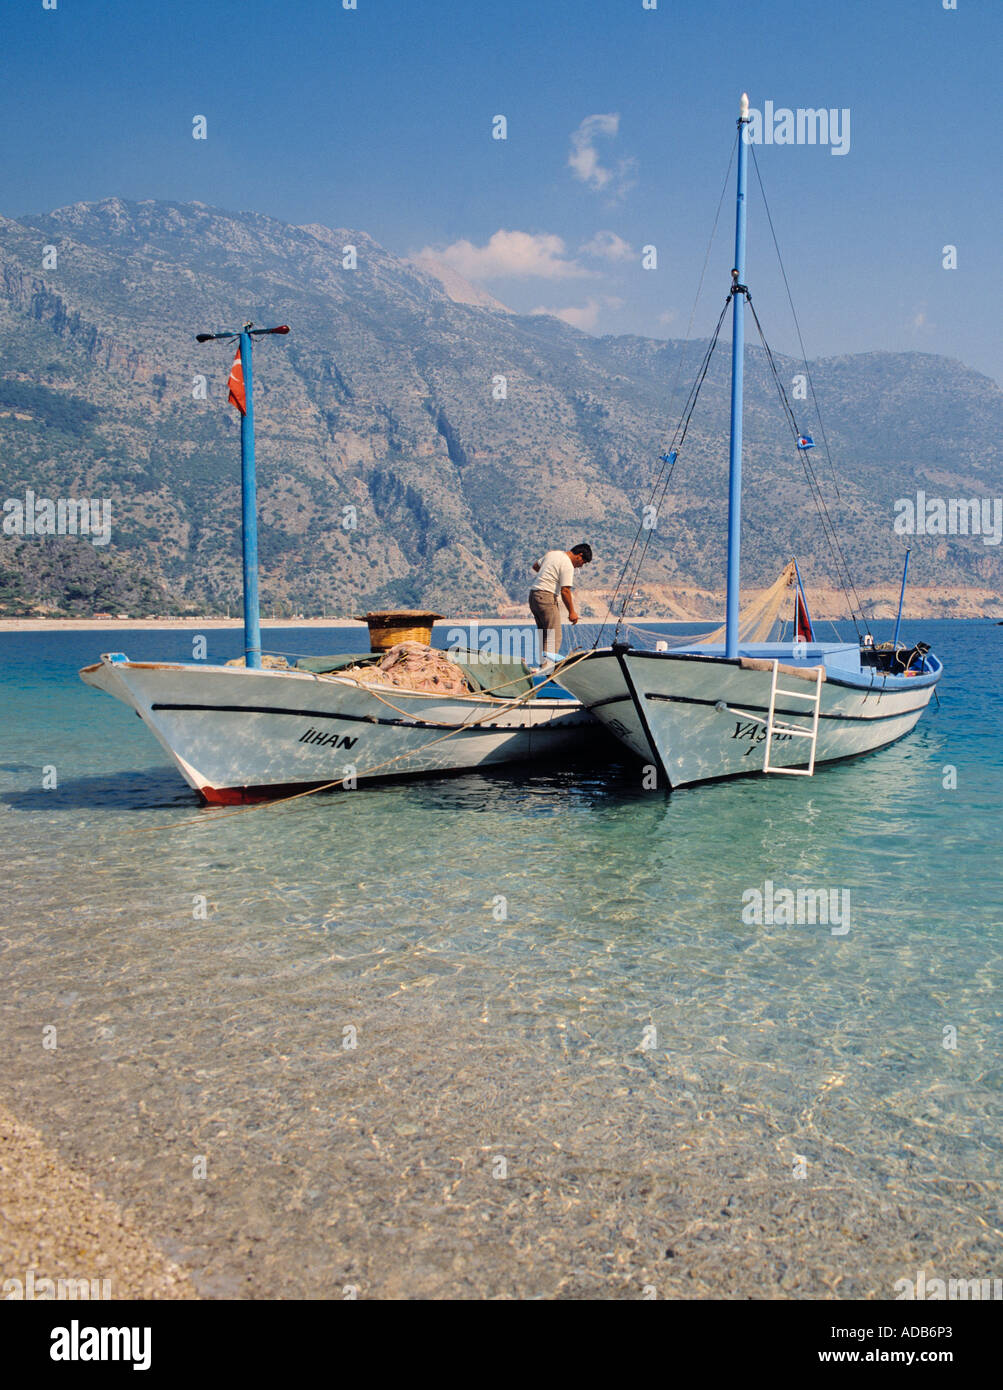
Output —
<point x="844" y="662"/>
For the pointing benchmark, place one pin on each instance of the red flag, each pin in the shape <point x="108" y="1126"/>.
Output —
<point x="805" y="631"/>
<point x="235" y="386"/>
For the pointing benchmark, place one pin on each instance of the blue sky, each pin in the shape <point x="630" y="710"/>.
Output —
<point x="380" y="118"/>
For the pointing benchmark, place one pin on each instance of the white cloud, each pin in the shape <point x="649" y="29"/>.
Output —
<point x="608" y="246"/>
<point x="584" y="316"/>
<point x="510" y="254"/>
<point x="584" y="158"/>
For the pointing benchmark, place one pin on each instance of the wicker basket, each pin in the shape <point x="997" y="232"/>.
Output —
<point x="406" y="625"/>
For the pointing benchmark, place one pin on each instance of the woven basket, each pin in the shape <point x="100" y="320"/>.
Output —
<point x="406" y="625"/>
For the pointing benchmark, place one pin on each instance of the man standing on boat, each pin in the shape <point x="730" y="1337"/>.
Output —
<point x="556" y="577"/>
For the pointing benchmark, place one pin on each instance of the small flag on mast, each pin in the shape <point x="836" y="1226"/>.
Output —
<point x="235" y="386"/>
<point x="805" y="441"/>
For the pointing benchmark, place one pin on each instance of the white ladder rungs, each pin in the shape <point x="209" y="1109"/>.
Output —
<point x="773" y="728"/>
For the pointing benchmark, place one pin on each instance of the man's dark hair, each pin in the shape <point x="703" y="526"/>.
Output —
<point x="585" y="551"/>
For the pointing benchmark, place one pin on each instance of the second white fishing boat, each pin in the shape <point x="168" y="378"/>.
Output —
<point x="716" y="709"/>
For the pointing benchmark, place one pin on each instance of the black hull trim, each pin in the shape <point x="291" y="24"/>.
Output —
<point x="472" y="728"/>
<point x="656" y="757"/>
<point x="758" y="771"/>
<point x="762" y="709"/>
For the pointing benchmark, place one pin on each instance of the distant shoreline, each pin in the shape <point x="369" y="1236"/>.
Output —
<point x="163" y="624"/>
<point x="236" y="624"/>
<point x="681" y="607"/>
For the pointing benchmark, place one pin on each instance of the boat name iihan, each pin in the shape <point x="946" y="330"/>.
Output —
<point x="331" y="740"/>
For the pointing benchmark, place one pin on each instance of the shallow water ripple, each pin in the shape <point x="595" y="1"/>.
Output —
<point x="576" y="1069"/>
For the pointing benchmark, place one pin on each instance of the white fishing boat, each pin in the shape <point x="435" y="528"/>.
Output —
<point x="238" y="734"/>
<point x="724" y="708"/>
<point x="245" y="733"/>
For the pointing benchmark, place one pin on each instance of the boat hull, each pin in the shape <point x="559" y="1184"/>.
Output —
<point x="699" y="718"/>
<point x="241" y="735"/>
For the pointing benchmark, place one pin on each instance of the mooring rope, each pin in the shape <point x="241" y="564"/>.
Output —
<point x="270" y="804"/>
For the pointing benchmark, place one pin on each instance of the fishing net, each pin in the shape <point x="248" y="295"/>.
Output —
<point x="413" y="666"/>
<point x="757" y="622"/>
<point x="757" y="619"/>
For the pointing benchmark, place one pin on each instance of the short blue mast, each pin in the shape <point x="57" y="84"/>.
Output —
<point x="249" y="510"/>
<point x="898" y="620"/>
<point x="738" y="293"/>
<point x="248" y="488"/>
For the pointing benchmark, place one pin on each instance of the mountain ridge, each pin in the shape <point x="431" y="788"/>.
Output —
<point x="385" y="398"/>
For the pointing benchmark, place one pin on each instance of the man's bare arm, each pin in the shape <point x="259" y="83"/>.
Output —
<point x="569" y="603"/>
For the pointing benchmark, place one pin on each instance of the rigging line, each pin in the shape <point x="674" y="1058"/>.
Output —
<point x="662" y="479"/>
<point x="679" y="364"/>
<point x="705" y="367"/>
<point x="703" y="272"/>
<point x="790" y="301"/>
<point x="842" y="570"/>
<point x="843" y="575"/>
<point x="679" y="434"/>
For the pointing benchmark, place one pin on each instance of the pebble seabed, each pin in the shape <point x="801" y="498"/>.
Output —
<point x="500" y="1036"/>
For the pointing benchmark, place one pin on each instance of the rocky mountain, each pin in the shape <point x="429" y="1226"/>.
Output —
<point x="466" y="438"/>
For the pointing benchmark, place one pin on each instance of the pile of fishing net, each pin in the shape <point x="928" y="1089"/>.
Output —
<point x="268" y="662"/>
<point x="413" y="666"/>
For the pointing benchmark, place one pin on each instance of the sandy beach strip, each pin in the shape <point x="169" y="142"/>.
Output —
<point x="55" y="1225"/>
<point x="236" y="624"/>
<point x="161" y="624"/>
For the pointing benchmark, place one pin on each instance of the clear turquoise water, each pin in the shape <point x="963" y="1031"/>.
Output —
<point x="631" y="1159"/>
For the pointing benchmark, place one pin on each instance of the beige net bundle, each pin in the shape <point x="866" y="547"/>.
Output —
<point x="413" y="666"/>
<point x="757" y="618"/>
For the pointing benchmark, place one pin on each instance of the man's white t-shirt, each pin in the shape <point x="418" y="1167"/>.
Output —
<point x="556" y="573"/>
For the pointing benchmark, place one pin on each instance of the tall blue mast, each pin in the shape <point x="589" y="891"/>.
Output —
<point x="249" y="511"/>
<point x="248" y="492"/>
<point x="738" y="293"/>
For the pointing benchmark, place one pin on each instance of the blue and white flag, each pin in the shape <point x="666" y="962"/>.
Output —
<point x="805" y="441"/>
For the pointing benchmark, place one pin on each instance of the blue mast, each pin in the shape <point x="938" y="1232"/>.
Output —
<point x="898" y="620"/>
<point x="248" y="489"/>
<point x="738" y="293"/>
<point x="249" y="511"/>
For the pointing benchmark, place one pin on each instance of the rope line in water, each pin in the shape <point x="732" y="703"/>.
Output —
<point x="571" y="660"/>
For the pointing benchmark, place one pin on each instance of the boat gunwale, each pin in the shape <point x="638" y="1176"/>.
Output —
<point x="889" y="683"/>
<point x="479" y="697"/>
